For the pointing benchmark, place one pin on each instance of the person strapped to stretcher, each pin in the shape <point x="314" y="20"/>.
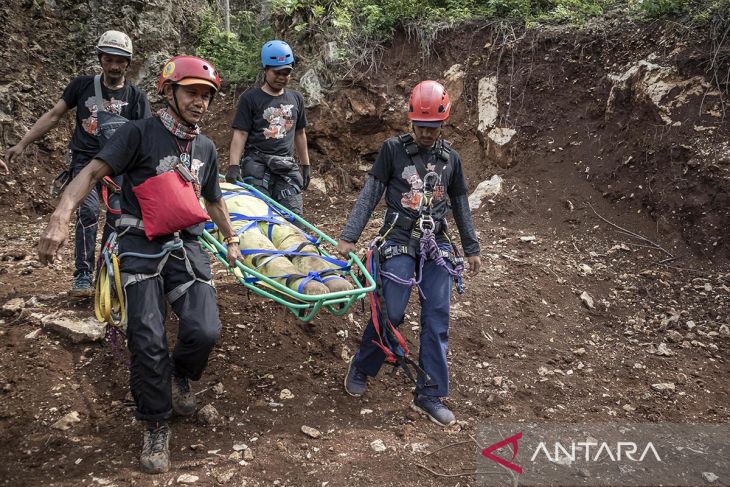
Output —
<point x="419" y="175"/>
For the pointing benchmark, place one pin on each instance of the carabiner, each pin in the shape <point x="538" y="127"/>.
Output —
<point x="425" y="222"/>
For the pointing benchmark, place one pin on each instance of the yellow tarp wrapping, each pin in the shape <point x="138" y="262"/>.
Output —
<point x="284" y="236"/>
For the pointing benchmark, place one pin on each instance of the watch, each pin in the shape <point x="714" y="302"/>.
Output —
<point x="232" y="240"/>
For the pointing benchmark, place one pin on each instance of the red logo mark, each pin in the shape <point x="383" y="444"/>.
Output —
<point x="487" y="452"/>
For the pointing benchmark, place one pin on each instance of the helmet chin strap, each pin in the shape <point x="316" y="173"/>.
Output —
<point x="175" y="108"/>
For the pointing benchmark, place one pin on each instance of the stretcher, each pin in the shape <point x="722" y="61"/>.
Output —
<point x="304" y="292"/>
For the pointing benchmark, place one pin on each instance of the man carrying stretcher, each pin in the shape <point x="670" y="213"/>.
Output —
<point x="167" y="166"/>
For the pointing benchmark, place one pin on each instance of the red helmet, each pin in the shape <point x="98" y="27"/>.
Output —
<point x="189" y="70"/>
<point x="429" y="105"/>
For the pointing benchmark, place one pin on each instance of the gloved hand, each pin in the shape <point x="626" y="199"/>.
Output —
<point x="233" y="174"/>
<point x="306" y="176"/>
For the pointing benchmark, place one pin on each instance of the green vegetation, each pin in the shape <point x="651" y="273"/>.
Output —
<point x="236" y="54"/>
<point x="361" y="27"/>
<point x="379" y="19"/>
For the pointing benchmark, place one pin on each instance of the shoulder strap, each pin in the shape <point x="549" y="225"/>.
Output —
<point x="411" y="149"/>
<point x="97" y="93"/>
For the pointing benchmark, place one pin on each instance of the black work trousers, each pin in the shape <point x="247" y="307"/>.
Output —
<point x="147" y="286"/>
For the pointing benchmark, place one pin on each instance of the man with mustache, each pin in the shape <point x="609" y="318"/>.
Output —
<point x="268" y="128"/>
<point x="167" y="165"/>
<point x="119" y="97"/>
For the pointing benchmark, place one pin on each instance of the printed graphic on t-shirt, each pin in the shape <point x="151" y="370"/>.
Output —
<point x="166" y="164"/>
<point x="413" y="199"/>
<point x="195" y="166"/>
<point x="90" y="124"/>
<point x="280" y="121"/>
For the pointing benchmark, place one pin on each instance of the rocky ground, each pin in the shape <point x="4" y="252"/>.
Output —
<point x="605" y="293"/>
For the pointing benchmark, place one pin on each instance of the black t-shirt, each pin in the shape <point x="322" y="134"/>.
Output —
<point x="270" y="120"/>
<point x="395" y="169"/>
<point x="129" y="102"/>
<point x="145" y="148"/>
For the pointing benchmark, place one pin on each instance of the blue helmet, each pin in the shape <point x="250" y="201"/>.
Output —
<point x="276" y="54"/>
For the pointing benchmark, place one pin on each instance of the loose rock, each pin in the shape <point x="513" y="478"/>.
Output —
<point x="13" y="306"/>
<point x="709" y="477"/>
<point x="286" y="394"/>
<point x="587" y="300"/>
<point x="187" y="478"/>
<point x="208" y="414"/>
<point x="311" y="432"/>
<point x="65" y="423"/>
<point x="663" y="386"/>
<point x="378" y="445"/>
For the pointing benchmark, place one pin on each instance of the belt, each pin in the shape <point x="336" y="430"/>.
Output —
<point x="125" y="220"/>
<point x="393" y="218"/>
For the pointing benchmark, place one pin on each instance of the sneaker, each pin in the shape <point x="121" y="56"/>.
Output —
<point x="434" y="409"/>
<point x="183" y="398"/>
<point x="155" y="456"/>
<point x="83" y="285"/>
<point x="356" y="381"/>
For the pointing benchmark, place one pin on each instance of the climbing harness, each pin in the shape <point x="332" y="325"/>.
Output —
<point x="262" y="170"/>
<point x="421" y="246"/>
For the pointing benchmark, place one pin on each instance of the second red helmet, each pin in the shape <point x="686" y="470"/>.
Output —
<point x="429" y="104"/>
<point x="189" y="70"/>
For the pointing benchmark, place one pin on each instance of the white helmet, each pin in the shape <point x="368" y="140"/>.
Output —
<point x="115" y="43"/>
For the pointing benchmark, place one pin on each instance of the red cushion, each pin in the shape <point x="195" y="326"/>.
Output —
<point x="168" y="204"/>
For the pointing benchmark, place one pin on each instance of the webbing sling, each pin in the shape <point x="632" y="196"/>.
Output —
<point x="389" y="340"/>
<point x="264" y="256"/>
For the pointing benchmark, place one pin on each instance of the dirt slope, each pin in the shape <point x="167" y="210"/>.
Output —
<point x="523" y="345"/>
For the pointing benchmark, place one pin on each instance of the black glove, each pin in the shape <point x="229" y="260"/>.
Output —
<point x="305" y="177"/>
<point x="233" y="174"/>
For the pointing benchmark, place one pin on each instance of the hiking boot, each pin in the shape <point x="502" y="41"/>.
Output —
<point x="83" y="285"/>
<point x="356" y="381"/>
<point x="434" y="409"/>
<point x="183" y="399"/>
<point x="155" y="456"/>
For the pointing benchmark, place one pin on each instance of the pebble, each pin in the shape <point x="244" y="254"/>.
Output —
<point x="378" y="445"/>
<point x="419" y="447"/>
<point x="663" y="386"/>
<point x="218" y="388"/>
<point x="248" y="454"/>
<point x="286" y="394"/>
<point x="674" y="336"/>
<point x="208" y="414"/>
<point x="65" y="423"/>
<point x="187" y="478"/>
<point x="311" y="432"/>
<point x="664" y="350"/>
<point x="709" y="477"/>
<point x="240" y="447"/>
<point x="364" y="411"/>
<point x="724" y="330"/>
<point x="587" y="300"/>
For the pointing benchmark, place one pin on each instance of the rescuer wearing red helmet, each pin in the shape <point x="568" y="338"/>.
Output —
<point x="120" y="101"/>
<point x="167" y="165"/>
<point x="417" y="173"/>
